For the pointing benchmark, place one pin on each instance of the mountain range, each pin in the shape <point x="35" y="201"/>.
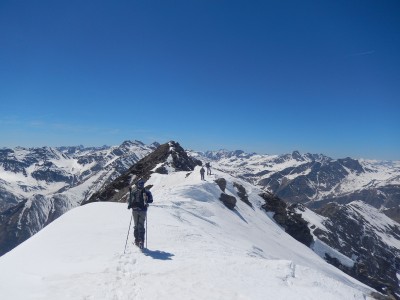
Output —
<point x="38" y="185"/>
<point x="315" y="179"/>
<point x="339" y="208"/>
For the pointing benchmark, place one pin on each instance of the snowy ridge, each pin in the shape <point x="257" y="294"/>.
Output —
<point x="197" y="249"/>
<point x="310" y="178"/>
<point x="336" y="234"/>
<point x="38" y="185"/>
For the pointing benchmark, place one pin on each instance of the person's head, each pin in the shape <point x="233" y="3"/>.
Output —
<point x="140" y="183"/>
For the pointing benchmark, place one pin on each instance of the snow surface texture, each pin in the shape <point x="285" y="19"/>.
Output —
<point x="197" y="249"/>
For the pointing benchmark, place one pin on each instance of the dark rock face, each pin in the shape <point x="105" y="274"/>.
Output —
<point x="285" y="216"/>
<point x="23" y="220"/>
<point x="325" y="176"/>
<point x="8" y="199"/>
<point x="242" y="193"/>
<point x="169" y="155"/>
<point x="297" y="227"/>
<point x="349" y="232"/>
<point x="50" y="173"/>
<point x="8" y="237"/>
<point x="276" y="205"/>
<point x="228" y="200"/>
<point x="221" y="183"/>
<point x="181" y="161"/>
<point x="393" y="213"/>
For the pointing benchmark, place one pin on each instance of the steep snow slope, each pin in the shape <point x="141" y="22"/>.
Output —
<point x="197" y="249"/>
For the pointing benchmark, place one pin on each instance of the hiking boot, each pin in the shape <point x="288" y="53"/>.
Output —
<point x="141" y="244"/>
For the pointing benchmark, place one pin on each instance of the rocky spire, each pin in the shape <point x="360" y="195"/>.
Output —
<point x="168" y="157"/>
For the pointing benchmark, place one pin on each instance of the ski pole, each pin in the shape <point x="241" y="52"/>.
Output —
<point x="130" y="222"/>
<point x="147" y="228"/>
<point x="128" y="233"/>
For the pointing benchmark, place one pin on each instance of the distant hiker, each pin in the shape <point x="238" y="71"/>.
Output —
<point x="202" y="173"/>
<point x="208" y="166"/>
<point x="139" y="200"/>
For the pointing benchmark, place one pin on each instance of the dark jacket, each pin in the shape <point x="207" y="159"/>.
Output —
<point x="139" y="198"/>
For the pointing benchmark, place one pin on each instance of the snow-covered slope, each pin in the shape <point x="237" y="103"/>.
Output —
<point x="367" y="241"/>
<point x="197" y="249"/>
<point x="37" y="185"/>
<point x="314" y="179"/>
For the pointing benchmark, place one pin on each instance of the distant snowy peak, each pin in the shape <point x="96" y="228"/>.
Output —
<point x="314" y="179"/>
<point x="37" y="185"/>
<point x="73" y="150"/>
<point x="240" y="154"/>
<point x="32" y="162"/>
<point x="217" y="155"/>
<point x="298" y="157"/>
<point x="17" y="159"/>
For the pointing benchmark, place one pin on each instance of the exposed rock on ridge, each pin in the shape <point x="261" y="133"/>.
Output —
<point x="167" y="157"/>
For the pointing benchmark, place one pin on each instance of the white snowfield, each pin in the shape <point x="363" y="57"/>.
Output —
<point x="197" y="249"/>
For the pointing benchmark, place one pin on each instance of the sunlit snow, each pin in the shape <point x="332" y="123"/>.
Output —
<point x="197" y="249"/>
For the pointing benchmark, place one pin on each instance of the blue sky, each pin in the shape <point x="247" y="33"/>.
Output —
<point x="263" y="76"/>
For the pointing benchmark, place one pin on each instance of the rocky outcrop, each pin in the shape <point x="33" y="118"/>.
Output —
<point x="221" y="182"/>
<point x="228" y="200"/>
<point x="241" y="191"/>
<point x="286" y="216"/>
<point x="166" y="158"/>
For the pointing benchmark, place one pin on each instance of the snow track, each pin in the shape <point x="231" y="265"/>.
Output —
<point x="197" y="249"/>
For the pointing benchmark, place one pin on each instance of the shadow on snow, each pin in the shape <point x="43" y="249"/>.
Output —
<point x="157" y="254"/>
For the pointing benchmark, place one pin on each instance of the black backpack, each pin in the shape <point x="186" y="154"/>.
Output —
<point x="138" y="198"/>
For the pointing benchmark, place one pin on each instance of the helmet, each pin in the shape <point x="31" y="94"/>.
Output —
<point x="140" y="183"/>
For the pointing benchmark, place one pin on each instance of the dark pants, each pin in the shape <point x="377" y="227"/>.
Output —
<point x="139" y="218"/>
<point x="202" y="175"/>
<point x="208" y="171"/>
